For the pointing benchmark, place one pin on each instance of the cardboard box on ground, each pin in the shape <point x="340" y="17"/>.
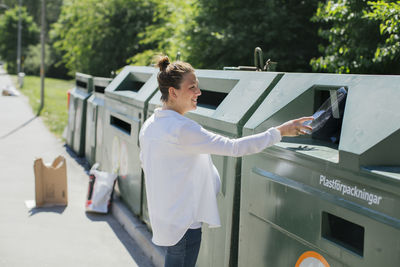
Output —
<point x="51" y="182"/>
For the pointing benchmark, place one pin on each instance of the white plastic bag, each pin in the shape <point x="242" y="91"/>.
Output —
<point x="101" y="185"/>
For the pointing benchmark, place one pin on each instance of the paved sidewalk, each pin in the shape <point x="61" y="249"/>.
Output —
<point x="58" y="236"/>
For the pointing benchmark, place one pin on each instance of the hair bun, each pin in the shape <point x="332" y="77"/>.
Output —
<point x="163" y="62"/>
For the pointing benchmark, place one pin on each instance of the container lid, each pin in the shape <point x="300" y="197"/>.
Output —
<point x="84" y="82"/>
<point x="229" y="98"/>
<point x="134" y="85"/>
<point x="370" y="131"/>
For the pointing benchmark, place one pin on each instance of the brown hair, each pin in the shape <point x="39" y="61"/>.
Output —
<point x="171" y="75"/>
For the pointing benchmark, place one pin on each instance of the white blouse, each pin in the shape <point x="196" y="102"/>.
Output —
<point x="181" y="180"/>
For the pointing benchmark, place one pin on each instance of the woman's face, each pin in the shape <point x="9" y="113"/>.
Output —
<point x="186" y="96"/>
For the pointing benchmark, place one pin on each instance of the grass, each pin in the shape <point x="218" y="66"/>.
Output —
<point x="55" y="111"/>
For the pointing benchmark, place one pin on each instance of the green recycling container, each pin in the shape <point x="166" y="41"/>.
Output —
<point x="227" y="101"/>
<point x="94" y="120"/>
<point x="155" y="102"/>
<point x="126" y="99"/>
<point x="71" y="120"/>
<point x="77" y="112"/>
<point x="328" y="199"/>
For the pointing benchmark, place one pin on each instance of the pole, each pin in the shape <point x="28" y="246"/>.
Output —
<point x="4" y="6"/>
<point x="42" y="74"/>
<point x="19" y="39"/>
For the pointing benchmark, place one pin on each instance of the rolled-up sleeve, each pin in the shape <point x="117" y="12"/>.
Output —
<point x="195" y="139"/>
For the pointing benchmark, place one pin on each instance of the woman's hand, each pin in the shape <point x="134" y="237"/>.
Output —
<point x="295" y="127"/>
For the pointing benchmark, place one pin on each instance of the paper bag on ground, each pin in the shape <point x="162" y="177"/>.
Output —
<point x="51" y="182"/>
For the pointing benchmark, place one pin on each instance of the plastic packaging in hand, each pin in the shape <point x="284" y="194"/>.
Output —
<point x="328" y="109"/>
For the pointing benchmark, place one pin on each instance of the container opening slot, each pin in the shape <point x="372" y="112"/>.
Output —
<point x="343" y="233"/>
<point x="99" y="89"/>
<point x="133" y="82"/>
<point x="135" y="86"/>
<point x="121" y="125"/>
<point x="81" y="84"/>
<point x="210" y="99"/>
<point x="328" y="114"/>
<point x="130" y="85"/>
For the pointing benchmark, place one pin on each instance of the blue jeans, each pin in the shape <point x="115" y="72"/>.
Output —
<point x="185" y="252"/>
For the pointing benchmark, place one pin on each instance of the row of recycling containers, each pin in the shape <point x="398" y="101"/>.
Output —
<point x="301" y="202"/>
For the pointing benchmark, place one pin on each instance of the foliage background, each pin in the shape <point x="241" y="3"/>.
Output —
<point x="363" y="37"/>
<point x="99" y="37"/>
<point x="8" y="36"/>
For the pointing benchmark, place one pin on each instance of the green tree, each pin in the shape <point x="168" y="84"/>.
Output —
<point x="356" y="41"/>
<point x="226" y="33"/>
<point x="98" y="36"/>
<point x="168" y="32"/>
<point x="388" y="16"/>
<point x="33" y="59"/>
<point x="9" y="36"/>
<point x="53" y="9"/>
<point x="54" y="66"/>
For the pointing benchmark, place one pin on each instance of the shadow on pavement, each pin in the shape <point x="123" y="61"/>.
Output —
<point x="19" y="127"/>
<point x="82" y="161"/>
<point x="56" y="209"/>
<point x="134" y="250"/>
<point x="130" y="244"/>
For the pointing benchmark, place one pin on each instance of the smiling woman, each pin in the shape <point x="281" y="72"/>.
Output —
<point x="181" y="179"/>
<point x="184" y="99"/>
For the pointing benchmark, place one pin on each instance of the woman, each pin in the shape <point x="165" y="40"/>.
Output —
<point x="181" y="180"/>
